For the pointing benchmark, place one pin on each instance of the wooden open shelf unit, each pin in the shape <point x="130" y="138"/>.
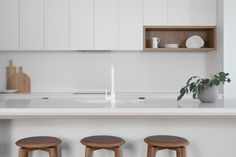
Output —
<point x="179" y="35"/>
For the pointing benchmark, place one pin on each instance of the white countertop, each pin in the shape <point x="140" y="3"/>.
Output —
<point x="69" y="105"/>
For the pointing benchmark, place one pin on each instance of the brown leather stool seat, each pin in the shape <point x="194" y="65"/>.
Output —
<point x="93" y="143"/>
<point x="44" y="143"/>
<point x="160" y="142"/>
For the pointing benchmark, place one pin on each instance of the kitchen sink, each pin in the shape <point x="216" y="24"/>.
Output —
<point x="103" y="101"/>
<point x="120" y="103"/>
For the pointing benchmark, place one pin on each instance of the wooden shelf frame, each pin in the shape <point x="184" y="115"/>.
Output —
<point x="179" y="35"/>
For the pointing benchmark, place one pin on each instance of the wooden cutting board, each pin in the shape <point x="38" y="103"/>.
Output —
<point x="11" y="72"/>
<point x="23" y="83"/>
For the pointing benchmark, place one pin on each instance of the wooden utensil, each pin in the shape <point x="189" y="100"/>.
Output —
<point x="23" y="81"/>
<point x="11" y="72"/>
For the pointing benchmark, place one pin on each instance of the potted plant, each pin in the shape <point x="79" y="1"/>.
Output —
<point x="204" y="89"/>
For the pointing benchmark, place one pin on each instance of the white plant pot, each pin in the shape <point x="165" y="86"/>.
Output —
<point x="208" y="94"/>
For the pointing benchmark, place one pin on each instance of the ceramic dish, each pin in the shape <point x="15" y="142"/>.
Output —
<point x="171" y="46"/>
<point x="9" y="91"/>
<point x="194" y="42"/>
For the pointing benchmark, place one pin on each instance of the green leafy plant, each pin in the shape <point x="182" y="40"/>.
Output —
<point x="195" y="84"/>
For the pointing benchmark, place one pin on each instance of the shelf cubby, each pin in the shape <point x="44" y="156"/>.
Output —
<point x="179" y="35"/>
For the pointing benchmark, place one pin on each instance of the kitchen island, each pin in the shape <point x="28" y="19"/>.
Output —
<point x="71" y="106"/>
<point x="72" y="117"/>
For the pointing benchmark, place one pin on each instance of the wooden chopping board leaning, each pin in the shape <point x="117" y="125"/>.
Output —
<point x="11" y="71"/>
<point x="17" y="80"/>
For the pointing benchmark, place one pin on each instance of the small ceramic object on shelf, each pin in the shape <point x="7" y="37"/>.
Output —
<point x="9" y="91"/>
<point x="155" y="42"/>
<point x="195" y="42"/>
<point x="171" y="46"/>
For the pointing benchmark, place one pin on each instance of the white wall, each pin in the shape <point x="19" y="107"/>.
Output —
<point x="229" y="45"/>
<point x="134" y="71"/>
<point x="215" y="58"/>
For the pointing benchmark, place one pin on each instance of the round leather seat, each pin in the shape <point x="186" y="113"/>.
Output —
<point x="102" y="141"/>
<point x="38" y="142"/>
<point x="166" y="141"/>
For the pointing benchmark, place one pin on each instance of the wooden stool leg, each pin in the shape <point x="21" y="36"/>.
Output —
<point x="151" y="152"/>
<point x="117" y="152"/>
<point x="53" y="152"/>
<point x="88" y="152"/>
<point x="23" y="152"/>
<point x="178" y="152"/>
<point x="183" y="151"/>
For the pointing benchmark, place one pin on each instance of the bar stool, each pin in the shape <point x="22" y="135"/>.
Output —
<point x="93" y="143"/>
<point x="160" y="142"/>
<point x="43" y="143"/>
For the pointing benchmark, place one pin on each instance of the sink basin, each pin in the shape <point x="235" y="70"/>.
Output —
<point x="91" y="101"/>
<point x="118" y="101"/>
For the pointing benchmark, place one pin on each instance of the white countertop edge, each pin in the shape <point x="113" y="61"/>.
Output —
<point x="118" y="112"/>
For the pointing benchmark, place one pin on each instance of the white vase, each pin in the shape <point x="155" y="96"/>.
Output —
<point x="155" y="42"/>
<point x="208" y="94"/>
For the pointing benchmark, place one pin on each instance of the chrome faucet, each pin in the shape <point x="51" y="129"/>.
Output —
<point x="112" y="96"/>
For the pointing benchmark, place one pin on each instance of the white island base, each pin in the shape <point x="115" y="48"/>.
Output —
<point x="208" y="137"/>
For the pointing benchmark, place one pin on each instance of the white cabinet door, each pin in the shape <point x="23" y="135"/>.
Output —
<point x="56" y="25"/>
<point x="9" y="38"/>
<point x="31" y="25"/>
<point x="81" y="25"/>
<point x="179" y="12"/>
<point x="130" y="25"/>
<point x="106" y="24"/>
<point x="204" y="12"/>
<point x="155" y="12"/>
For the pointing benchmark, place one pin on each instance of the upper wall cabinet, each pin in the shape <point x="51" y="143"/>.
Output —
<point x="179" y="12"/>
<point x="81" y="25"/>
<point x="130" y="25"/>
<point x="93" y="24"/>
<point x="56" y="25"/>
<point x="204" y="12"/>
<point x="106" y="24"/>
<point x="9" y="38"/>
<point x="31" y="25"/>
<point x="155" y="12"/>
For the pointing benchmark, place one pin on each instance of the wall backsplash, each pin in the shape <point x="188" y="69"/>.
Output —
<point x="89" y="71"/>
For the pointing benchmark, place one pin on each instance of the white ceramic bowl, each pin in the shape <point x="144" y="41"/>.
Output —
<point x="171" y="46"/>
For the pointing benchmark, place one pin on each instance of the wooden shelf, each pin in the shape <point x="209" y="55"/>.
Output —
<point x="179" y="35"/>
<point x="180" y="49"/>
